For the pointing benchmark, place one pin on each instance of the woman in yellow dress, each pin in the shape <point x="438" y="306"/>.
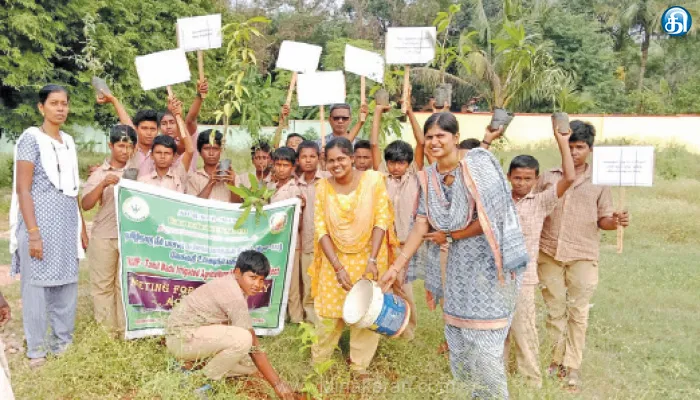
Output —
<point x="354" y="238"/>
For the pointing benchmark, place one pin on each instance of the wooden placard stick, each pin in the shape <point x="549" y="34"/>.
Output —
<point x="178" y="118"/>
<point x="290" y="92"/>
<point x="322" y="117"/>
<point x="621" y="229"/>
<point x="406" y="88"/>
<point x="363" y="97"/>
<point x="200" y="63"/>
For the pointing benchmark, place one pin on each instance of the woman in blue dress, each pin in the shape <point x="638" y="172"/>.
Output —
<point x="465" y="206"/>
<point x="47" y="232"/>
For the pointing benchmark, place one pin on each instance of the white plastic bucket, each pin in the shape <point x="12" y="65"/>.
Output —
<point x="366" y="307"/>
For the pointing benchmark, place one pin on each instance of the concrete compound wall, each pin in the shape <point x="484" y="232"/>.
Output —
<point x="526" y="129"/>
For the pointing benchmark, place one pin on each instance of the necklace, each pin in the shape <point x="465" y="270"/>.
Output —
<point x="41" y="128"/>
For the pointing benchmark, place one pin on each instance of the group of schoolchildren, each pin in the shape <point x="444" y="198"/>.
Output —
<point x="560" y="214"/>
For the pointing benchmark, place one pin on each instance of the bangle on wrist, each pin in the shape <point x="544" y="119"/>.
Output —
<point x="486" y="142"/>
<point x="35" y="229"/>
<point x="372" y="260"/>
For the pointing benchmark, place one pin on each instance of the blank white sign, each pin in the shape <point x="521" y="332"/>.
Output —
<point x="410" y="45"/>
<point x="163" y="69"/>
<point x="364" y="63"/>
<point x="298" y="57"/>
<point x="623" y="165"/>
<point x="321" y="88"/>
<point x="199" y="33"/>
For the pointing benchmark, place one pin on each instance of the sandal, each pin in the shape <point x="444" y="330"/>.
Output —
<point x="573" y="381"/>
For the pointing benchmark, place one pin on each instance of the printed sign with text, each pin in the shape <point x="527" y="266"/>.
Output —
<point x="364" y="63"/>
<point x="410" y="45"/>
<point x="623" y="165"/>
<point x="199" y="33"/>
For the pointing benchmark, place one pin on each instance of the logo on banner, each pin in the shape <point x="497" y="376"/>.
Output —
<point x="277" y="222"/>
<point x="676" y="21"/>
<point x="136" y="209"/>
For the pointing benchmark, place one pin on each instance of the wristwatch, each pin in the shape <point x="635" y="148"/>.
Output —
<point x="448" y="237"/>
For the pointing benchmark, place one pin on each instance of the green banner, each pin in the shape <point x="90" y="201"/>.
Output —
<point x="170" y="243"/>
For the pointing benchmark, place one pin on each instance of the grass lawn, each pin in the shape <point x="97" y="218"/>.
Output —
<point x="642" y="337"/>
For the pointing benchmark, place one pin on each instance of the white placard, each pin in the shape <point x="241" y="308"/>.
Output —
<point x="321" y="88"/>
<point x="162" y="69"/>
<point x="364" y="63"/>
<point x="298" y="57"/>
<point x="199" y="33"/>
<point x="623" y="165"/>
<point x="410" y="45"/>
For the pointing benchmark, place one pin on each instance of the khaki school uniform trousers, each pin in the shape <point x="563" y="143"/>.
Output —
<point x="523" y="335"/>
<point x="567" y="291"/>
<point x="106" y="284"/>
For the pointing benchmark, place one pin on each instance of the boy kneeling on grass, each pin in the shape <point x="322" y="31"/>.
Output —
<point x="213" y="321"/>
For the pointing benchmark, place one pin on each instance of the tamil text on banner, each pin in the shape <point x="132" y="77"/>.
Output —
<point x="171" y="243"/>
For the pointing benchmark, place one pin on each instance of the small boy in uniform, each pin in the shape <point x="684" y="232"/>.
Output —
<point x="569" y="251"/>
<point x="209" y="182"/>
<point x="213" y="321"/>
<point x="286" y="188"/>
<point x="169" y="174"/>
<point x="532" y="210"/>
<point x="103" y="250"/>
<point x="260" y="154"/>
<point x="363" y="155"/>
<point x="308" y="164"/>
<point x="400" y="169"/>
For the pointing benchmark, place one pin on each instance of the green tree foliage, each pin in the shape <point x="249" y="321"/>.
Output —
<point x="67" y="42"/>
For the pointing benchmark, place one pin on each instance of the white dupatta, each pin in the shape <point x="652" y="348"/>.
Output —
<point x="60" y="162"/>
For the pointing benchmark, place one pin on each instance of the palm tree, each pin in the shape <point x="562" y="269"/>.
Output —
<point x="644" y="15"/>
<point x="508" y="68"/>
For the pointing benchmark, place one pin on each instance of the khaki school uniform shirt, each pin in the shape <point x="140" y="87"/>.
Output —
<point x="308" y="190"/>
<point x="175" y="179"/>
<point x="198" y="180"/>
<point x="571" y="233"/>
<point x="217" y="302"/>
<point x="104" y="224"/>
<point x="403" y="192"/>
<point x="532" y="211"/>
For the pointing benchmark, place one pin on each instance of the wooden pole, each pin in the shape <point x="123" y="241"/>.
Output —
<point x="322" y="117"/>
<point x="292" y="85"/>
<point x="200" y="63"/>
<point x="363" y="97"/>
<point x="406" y="88"/>
<point x="178" y="118"/>
<point x="620" y="229"/>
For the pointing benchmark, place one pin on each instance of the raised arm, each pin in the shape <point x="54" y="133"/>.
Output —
<point x="175" y="107"/>
<point x="193" y="113"/>
<point x="356" y="129"/>
<point x="123" y="116"/>
<point x="567" y="162"/>
<point x="374" y="136"/>
<point x="419" y="158"/>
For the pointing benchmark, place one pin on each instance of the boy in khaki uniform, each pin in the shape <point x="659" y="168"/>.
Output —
<point x="103" y="251"/>
<point x="167" y="173"/>
<point x="209" y="182"/>
<point x="286" y="188"/>
<point x="569" y="250"/>
<point x="213" y="323"/>
<point x="532" y="210"/>
<point x="308" y="164"/>
<point x="402" y="187"/>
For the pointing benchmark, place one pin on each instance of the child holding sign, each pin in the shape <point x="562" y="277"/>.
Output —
<point x="213" y="321"/>
<point x="569" y="249"/>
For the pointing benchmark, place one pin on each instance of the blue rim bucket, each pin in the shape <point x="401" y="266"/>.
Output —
<point x="366" y="307"/>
